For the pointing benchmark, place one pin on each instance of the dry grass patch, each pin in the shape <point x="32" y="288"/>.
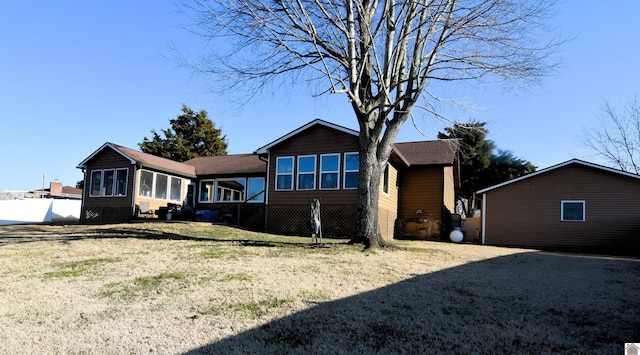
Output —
<point x="193" y="287"/>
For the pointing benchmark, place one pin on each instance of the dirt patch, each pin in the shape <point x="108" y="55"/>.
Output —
<point x="175" y="288"/>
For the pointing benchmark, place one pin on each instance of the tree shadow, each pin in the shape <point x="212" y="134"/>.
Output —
<point x="535" y="302"/>
<point x="36" y="233"/>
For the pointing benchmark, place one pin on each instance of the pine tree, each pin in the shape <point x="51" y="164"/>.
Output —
<point x="191" y="135"/>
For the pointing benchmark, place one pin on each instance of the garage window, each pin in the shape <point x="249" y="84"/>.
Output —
<point x="573" y="211"/>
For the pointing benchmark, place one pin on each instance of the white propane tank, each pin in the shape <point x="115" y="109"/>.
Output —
<point x="456" y="235"/>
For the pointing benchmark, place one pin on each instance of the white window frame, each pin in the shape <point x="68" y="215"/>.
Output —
<point x="155" y="186"/>
<point x="307" y="173"/>
<point x="278" y="174"/>
<point x="260" y="197"/>
<point x="345" y="171"/>
<point x="126" y="183"/>
<point x="170" y="188"/>
<point x="217" y="198"/>
<point x="211" y="191"/>
<point x="103" y="186"/>
<point x="151" y="186"/>
<point x="386" y="179"/>
<point x="584" y="210"/>
<point x="336" y="172"/>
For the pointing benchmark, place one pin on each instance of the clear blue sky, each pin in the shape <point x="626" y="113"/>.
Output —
<point x="76" y="74"/>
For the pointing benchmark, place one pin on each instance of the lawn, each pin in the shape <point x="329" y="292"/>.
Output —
<point x="174" y="288"/>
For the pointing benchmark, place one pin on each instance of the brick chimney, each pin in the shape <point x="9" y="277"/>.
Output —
<point x="55" y="188"/>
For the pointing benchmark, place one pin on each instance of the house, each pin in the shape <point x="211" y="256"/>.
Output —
<point x="575" y="205"/>
<point x="272" y="189"/>
<point x="320" y="160"/>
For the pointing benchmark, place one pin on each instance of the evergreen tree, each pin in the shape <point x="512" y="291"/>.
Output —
<point x="191" y="135"/>
<point x="481" y="163"/>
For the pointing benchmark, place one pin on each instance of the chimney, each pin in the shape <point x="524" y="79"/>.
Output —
<point x="55" y="188"/>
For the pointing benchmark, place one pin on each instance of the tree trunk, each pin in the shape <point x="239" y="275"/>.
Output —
<point x="367" y="228"/>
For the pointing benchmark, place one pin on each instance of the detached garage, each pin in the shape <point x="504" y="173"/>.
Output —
<point x="573" y="206"/>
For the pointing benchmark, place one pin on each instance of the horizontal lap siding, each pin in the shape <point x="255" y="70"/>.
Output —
<point x="388" y="205"/>
<point x="108" y="159"/>
<point x="528" y="213"/>
<point x="421" y="189"/>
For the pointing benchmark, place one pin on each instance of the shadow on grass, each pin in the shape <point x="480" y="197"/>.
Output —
<point x="522" y="303"/>
<point x="38" y="233"/>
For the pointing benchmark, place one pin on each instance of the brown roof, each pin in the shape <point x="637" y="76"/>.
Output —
<point x="436" y="152"/>
<point x="154" y="162"/>
<point x="228" y="164"/>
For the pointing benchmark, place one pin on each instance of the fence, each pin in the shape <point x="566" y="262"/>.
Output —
<point x="38" y="210"/>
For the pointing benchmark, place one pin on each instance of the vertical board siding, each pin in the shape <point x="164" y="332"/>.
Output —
<point x="527" y="213"/>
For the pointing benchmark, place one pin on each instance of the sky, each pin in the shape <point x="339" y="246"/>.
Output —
<point x="77" y="74"/>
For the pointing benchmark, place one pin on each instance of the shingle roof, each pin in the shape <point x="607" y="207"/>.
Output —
<point x="435" y="152"/>
<point x="228" y="164"/>
<point x="145" y="160"/>
<point x="152" y="161"/>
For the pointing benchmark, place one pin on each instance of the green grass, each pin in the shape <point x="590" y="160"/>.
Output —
<point x="77" y="268"/>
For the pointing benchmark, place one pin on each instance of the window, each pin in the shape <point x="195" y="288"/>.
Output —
<point x="161" y="186"/>
<point x="573" y="211"/>
<point x="329" y="171"/>
<point x="206" y="191"/>
<point x="351" y="168"/>
<point x="230" y="190"/>
<point x="109" y="182"/>
<point x="284" y="173"/>
<point x="121" y="182"/>
<point x="307" y="172"/>
<point x="176" y="189"/>
<point x="146" y="183"/>
<point x="255" y="190"/>
<point x="96" y="182"/>
<point x="385" y="180"/>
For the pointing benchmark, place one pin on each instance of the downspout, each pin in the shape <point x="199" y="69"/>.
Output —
<point x="134" y="190"/>
<point x="484" y="217"/>
<point x="266" y="189"/>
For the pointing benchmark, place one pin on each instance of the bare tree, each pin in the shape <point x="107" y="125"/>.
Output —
<point x="385" y="56"/>
<point x="617" y="135"/>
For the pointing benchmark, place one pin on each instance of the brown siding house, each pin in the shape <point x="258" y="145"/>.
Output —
<point x="320" y="160"/>
<point x="575" y="205"/>
<point x="119" y="180"/>
<point x="273" y="188"/>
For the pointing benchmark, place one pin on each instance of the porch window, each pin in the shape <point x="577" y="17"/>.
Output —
<point x="573" y="211"/>
<point x="329" y="171"/>
<point x="255" y="190"/>
<point x="206" y="191"/>
<point x="351" y="169"/>
<point x="284" y="173"/>
<point x="121" y="182"/>
<point x="161" y="186"/>
<point x="176" y="189"/>
<point x="307" y="172"/>
<point x="108" y="183"/>
<point x="146" y="183"/>
<point x="230" y="190"/>
<point x="96" y="182"/>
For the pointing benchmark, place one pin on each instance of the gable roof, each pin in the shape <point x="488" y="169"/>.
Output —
<point x="317" y="121"/>
<point x="228" y="164"/>
<point x="558" y="166"/>
<point x="434" y="152"/>
<point x="137" y="157"/>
